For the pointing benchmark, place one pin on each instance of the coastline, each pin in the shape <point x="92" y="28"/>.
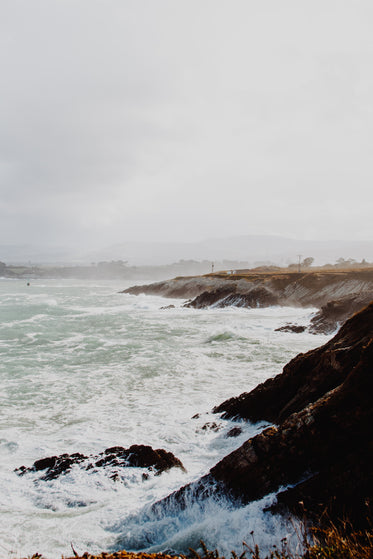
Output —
<point x="336" y="354"/>
<point x="321" y="439"/>
<point x="337" y="294"/>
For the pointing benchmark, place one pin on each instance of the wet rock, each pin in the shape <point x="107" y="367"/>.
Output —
<point x="211" y="426"/>
<point x="54" y="465"/>
<point x="231" y="297"/>
<point x="250" y="288"/>
<point x="234" y="432"/>
<point x="295" y="328"/>
<point x="306" y="377"/>
<point x="336" y="312"/>
<point x="167" y="307"/>
<point x="324" y="449"/>
<point x="116" y="457"/>
<point x="209" y="298"/>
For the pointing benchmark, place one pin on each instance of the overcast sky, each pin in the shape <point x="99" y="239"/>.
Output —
<point x="181" y="120"/>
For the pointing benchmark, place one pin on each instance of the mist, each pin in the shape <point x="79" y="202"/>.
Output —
<point x="176" y="122"/>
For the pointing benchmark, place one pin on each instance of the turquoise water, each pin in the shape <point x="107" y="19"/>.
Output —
<point x="83" y="368"/>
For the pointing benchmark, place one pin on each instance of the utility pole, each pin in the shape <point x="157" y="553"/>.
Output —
<point x="299" y="257"/>
<point x="212" y="267"/>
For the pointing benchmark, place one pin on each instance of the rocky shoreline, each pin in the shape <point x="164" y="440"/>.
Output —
<point x="317" y="454"/>
<point x="337" y="294"/>
<point x="320" y="446"/>
<point x="321" y="443"/>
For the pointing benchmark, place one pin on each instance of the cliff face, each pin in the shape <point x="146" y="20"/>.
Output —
<point x="337" y="293"/>
<point x="323" y="442"/>
<point x="329" y="443"/>
<point x="307" y="377"/>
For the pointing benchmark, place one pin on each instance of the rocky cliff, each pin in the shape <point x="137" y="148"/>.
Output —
<point x="307" y="377"/>
<point x="337" y="294"/>
<point x="322" y="444"/>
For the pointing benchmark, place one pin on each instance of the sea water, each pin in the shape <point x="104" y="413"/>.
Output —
<point x="83" y="368"/>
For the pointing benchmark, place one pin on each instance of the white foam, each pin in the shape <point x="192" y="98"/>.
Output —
<point x="95" y="369"/>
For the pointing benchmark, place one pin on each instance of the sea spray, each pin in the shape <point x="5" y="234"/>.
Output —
<point x="215" y="520"/>
<point x="84" y="368"/>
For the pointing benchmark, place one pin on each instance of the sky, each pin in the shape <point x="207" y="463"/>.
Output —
<point x="181" y="120"/>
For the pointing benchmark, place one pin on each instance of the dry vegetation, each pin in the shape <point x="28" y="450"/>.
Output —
<point x="323" y="543"/>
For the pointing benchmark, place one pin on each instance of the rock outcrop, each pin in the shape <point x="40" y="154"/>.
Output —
<point x="336" y="312"/>
<point x="295" y="328"/>
<point x="231" y="297"/>
<point x="327" y="449"/>
<point x="336" y="293"/>
<point x="113" y="458"/>
<point x="322" y="444"/>
<point x="305" y="378"/>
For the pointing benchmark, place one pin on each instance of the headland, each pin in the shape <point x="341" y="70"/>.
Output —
<point x="337" y="294"/>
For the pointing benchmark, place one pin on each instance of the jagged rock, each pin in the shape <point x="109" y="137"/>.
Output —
<point x="325" y="448"/>
<point x="295" y="328"/>
<point x="329" y="442"/>
<point x="234" y="432"/>
<point x="306" y="377"/>
<point x="135" y="456"/>
<point x="54" y="465"/>
<point x="310" y="289"/>
<point x="209" y="298"/>
<point x="211" y="426"/>
<point x="335" y="312"/>
<point x="229" y="297"/>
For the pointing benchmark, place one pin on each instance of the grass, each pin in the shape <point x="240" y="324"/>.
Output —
<point x="324" y="543"/>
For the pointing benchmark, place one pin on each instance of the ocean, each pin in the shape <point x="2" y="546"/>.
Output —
<point x="84" y="368"/>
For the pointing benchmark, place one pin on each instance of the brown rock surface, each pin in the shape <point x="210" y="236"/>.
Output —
<point x="336" y="312"/>
<point x="347" y="291"/>
<point x="323" y="445"/>
<point x="233" y="297"/>
<point x="329" y="442"/>
<point x="306" y="377"/>
<point x="141" y="456"/>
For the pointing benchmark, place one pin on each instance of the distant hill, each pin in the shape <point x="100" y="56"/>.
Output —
<point x="253" y="249"/>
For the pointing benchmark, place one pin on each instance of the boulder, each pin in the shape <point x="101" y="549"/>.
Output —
<point x="140" y="456"/>
<point x="294" y="328"/>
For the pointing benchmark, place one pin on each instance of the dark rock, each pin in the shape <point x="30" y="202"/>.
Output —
<point x="145" y="457"/>
<point x="306" y="377"/>
<point x="234" y="432"/>
<point x="115" y="457"/>
<point x="296" y="328"/>
<point x="54" y="465"/>
<point x="229" y="296"/>
<point x="211" y="426"/>
<point x="325" y="448"/>
<point x="306" y="289"/>
<point x="335" y="312"/>
<point x="209" y="298"/>
<point x="182" y="498"/>
<point x="167" y="307"/>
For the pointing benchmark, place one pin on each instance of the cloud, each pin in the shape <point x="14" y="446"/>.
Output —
<point x="124" y="120"/>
